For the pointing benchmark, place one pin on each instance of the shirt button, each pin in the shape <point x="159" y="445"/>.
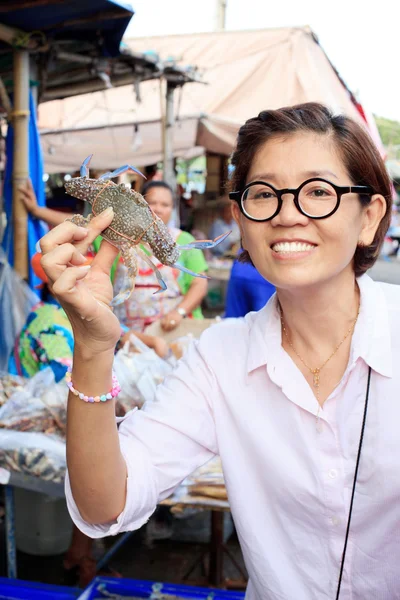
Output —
<point x="335" y="520"/>
<point x="333" y="473"/>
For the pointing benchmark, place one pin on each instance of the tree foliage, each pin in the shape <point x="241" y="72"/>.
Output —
<point x="389" y="131"/>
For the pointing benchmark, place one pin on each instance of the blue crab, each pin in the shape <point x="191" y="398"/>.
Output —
<point x="134" y="222"/>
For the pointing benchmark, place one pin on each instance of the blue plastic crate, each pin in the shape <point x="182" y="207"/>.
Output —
<point x="148" y="589"/>
<point x="15" y="589"/>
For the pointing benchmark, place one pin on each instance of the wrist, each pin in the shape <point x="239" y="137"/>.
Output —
<point x="89" y="357"/>
<point x="36" y="212"/>
<point x="182" y="311"/>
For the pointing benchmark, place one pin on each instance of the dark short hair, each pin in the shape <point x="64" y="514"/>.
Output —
<point x="156" y="184"/>
<point x="354" y="145"/>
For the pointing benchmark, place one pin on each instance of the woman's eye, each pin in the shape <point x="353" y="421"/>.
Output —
<point x="319" y="193"/>
<point x="263" y="195"/>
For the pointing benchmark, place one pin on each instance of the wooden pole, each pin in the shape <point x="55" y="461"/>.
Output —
<point x="20" y="115"/>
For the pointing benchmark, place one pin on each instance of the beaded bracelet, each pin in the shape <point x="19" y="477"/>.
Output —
<point x="115" y="390"/>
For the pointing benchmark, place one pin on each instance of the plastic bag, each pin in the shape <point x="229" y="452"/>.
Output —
<point x="16" y="301"/>
<point x="40" y="406"/>
<point x="139" y="373"/>
<point x="33" y="454"/>
<point x="9" y="384"/>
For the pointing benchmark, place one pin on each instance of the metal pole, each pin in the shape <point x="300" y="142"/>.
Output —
<point x="221" y="15"/>
<point x="169" y="173"/>
<point x="10" y="532"/>
<point x="21" y="159"/>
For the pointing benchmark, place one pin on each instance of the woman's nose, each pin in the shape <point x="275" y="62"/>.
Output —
<point x="289" y="214"/>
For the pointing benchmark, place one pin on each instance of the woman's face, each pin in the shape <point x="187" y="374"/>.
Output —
<point x="161" y="202"/>
<point x="330" y="243"/>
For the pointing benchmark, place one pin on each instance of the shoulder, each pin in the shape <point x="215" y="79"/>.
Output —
<point x="228" y="338"/>
<point x="391" y="294"/>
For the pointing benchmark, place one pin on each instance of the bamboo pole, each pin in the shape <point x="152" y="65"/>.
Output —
<point x="20" y="116"/>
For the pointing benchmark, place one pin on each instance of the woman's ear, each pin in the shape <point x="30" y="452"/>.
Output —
<point x="236" y="213"/>
<point x="237" y="216"/>
<point x="373" y="215"/>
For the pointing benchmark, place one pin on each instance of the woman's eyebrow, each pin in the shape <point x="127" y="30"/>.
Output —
<point x="270" y="177"/>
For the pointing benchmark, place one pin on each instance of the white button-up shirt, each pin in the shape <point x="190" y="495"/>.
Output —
<point x="238" y="394"/>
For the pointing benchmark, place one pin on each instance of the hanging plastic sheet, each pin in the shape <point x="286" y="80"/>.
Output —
<point x="36" y="228"/>
<point x="16" y="301"/>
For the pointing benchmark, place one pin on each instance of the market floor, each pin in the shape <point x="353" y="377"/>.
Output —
<point x="161" y="560"/>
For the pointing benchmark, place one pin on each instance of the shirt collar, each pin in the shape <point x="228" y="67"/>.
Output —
<point x="371" y="339"/>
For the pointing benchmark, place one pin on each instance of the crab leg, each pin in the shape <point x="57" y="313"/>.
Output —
<point x="119" y="171"/>
<point x="128" y="284"/>
<point x="84" y="172"/>
<point x="185" y="270"/>
<point x="157" y="273"/>
<point x="203" y="244"/>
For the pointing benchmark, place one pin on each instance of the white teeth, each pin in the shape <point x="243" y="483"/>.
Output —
<point x="292" y="247"/>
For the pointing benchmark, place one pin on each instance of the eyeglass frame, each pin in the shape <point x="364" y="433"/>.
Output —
<point x="339" y="189"/>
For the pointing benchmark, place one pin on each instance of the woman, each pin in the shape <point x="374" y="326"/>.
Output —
<point x="281" y="394"/>
<point x="184" y="292"/>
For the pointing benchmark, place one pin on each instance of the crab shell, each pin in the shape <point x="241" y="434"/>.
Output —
<point x="134" y="221"/>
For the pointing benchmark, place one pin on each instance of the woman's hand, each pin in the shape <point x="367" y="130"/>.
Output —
<point x="85" y="292"/>
<point x="171" y="320"/>
<point x="160" y="346"/>
<point x="29" y="198"/>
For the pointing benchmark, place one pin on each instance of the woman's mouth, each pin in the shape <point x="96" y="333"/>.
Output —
<point x="285" y="250"/>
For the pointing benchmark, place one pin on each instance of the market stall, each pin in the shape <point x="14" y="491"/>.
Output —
<point x="32" y="449"/>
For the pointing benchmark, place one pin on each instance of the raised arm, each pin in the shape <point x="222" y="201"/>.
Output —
<point x="96" y="467"/>
<point x="48" y="215"/>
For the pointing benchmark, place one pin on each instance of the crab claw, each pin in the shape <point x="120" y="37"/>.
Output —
<point x="203" y="244"/>
<point x="119" y="171"/>
<point x="84" y="172"/>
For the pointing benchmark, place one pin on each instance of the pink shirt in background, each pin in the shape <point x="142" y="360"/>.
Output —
<point x="237" y="393"/>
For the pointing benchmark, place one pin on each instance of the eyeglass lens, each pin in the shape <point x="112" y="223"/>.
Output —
<point x="316" y="199"/>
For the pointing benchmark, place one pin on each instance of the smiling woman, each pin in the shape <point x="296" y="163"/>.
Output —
<point x="312" y="129"/>
<point x="300" y="399"/>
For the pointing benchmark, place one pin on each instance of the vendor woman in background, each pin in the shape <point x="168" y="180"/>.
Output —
<point x="285" y="395"/>
<point x="184" y="292"/>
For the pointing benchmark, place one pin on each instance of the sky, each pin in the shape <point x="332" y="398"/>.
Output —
<point x="362" y="40"/>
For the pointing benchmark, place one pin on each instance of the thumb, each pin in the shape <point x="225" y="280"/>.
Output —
<point x="95" y="227"/>
<point x="105" y="257"/>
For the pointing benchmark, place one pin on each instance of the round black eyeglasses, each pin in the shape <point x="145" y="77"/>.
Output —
<point x="315" y="198"/>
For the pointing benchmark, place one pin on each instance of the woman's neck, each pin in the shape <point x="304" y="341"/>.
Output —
<point x="318" y="318"/>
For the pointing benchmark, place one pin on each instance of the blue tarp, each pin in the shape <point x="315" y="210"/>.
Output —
<point x="87" y="20"/>
<point x="15" y="589"/>
<point x="35" y="227"/>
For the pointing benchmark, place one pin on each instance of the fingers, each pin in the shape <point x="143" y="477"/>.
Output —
<point x="68" y="288"/>
<point x="57" y="261"/>
<point x="65" y="233"/>
<point x="82" y="237"/>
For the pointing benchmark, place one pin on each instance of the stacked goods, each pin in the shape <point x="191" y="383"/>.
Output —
<point x="32" y="428"/>
<point x="208" y="481"/>
<point x="10" y="384"/>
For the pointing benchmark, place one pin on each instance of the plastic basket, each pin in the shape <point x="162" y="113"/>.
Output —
<point x="102" y="587"/>
<point x="14" y="589"/>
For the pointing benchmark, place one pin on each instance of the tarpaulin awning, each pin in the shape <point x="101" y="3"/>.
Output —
<point x="245" y="72"/>
<point x="100" y="21"/>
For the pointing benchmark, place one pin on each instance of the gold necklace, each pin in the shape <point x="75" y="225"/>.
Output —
<point x="316" y="372"/>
